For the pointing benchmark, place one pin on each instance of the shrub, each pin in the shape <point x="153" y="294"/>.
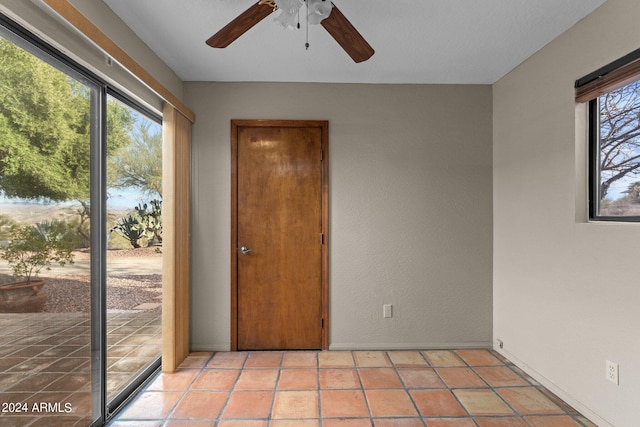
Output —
<point x="34" y="247"/>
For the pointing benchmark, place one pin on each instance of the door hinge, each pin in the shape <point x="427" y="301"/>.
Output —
<point x="321" y="155"/>
<point x="322" y="323"/>
<point x="322" y="239"/>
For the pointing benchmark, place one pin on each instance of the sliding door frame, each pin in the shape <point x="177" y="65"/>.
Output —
<point x="102" y="410"/>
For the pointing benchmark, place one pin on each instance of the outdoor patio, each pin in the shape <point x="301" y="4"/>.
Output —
<point x="45" y="361"/>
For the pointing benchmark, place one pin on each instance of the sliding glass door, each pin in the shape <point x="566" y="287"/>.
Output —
<point x="134" y="250"/>
<point x="80" y="239"/>
<point x="47" y="114"/>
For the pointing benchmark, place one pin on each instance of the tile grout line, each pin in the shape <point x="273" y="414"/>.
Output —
<point x="404" y="384"/>
<point x="185" y="391"/>
<point x="319" y="388"/>
<point x="275" y="389"/>
<point x="364" y="391"/>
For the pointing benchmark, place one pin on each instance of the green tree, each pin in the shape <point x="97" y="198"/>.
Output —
<point x="619" y="135"/>
<point x="139" y="164"/>
<point x="45" y="129"/>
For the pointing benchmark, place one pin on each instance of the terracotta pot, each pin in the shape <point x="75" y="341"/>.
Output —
<point x="22" y="297"/>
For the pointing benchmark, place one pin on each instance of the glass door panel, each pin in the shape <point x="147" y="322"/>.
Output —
<point x="134" y="253"/>
<point x="47" y="373"/>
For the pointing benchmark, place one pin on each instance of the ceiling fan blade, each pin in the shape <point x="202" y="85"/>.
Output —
<point x="243" y="23"/>
<point x="347" y="36"/>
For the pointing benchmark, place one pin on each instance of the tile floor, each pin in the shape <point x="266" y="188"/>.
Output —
<point x="46" y="358"/>
<point x="461" y="388"/>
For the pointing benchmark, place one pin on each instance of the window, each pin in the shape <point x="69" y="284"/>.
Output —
<point x="614" y="139"/>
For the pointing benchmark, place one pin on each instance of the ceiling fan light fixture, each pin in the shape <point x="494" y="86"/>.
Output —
<point x="289" y="6"/>
<point x="318" y="10"/>
<point x="289" y="12"/>
<point x="287" y="20"/>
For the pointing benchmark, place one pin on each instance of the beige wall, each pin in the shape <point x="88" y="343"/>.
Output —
<point x="566" y="292"/>
<point x="410" y="212"/>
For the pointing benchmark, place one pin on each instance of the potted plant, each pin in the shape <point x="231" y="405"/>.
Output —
<point x="30" y="249"/>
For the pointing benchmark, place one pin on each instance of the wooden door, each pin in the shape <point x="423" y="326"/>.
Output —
<point x="279" y="235"/>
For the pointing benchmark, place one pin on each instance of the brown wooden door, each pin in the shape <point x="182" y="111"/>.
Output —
<point x="280" y="205"/>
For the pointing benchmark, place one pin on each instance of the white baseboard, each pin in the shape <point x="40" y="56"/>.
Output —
<point x="410" y="346"/>
<point x="210" y="347"/>
<point x="551" y="386"/>
<point x="365" y="346"/>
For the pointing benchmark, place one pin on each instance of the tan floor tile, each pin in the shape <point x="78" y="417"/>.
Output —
<point x="568" y="409"/>
<point x="501" y="422"/>
<point x="242" y="423"/>
<point x="358" y="422"/>
<point x="478" y="357"/>
<point x="339" y="379"/>
<point x="248" y="404"/>
<point x="343" y="403"/>
<point x="300" y="359"/>
<point x="152" y="405"/>
<point x="295" y="423"/>
<point x="159" y="423"/>
<point x="437" y="403"/>
<point x="482" y="402"/>
<point x="371" y="359"/>
<point x="528" y="400"/>
<point x="390" y="403"/>
<point x="187" y="423"/>
<point x="526" y="376"/>
<point x="450" y="422"/>
<point x="585" y="421"/>
<point x="335" y="392"/>
<point x="336" y="359"/>
<point x="179" y="380"/>
<point x="398" y="422"/>
<point x="552" y="421"/>
<point x="460" y="378"/>
<point x="443" y="358"/>
<point x="501" y="376"/>
<point x="407" y="358"/>
<point x="298" y="379"/>
<point x="264" y="360"/>
<point x="296" y="404"/>
<point x="257" y="379"/>
<point x="379" y="378"/>
<point x="216" y="379"/>
<point x="420" y="378"/>
<point x="228" y="360"/>
<point x="196" y="360"/>
<point x="200" y="404"/>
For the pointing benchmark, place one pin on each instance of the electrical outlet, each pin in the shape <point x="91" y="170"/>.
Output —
<point x="612" y="372"/>
<point x="387" y="310"/>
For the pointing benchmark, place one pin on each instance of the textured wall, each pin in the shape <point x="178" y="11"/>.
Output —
<point x="410" y="213"/>
<point x="566" y="291"/>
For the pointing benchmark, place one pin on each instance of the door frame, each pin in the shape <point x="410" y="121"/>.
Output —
<point x="324" y="127"/>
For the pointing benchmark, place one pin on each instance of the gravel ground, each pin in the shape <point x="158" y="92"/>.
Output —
<point x="72" y="293"/>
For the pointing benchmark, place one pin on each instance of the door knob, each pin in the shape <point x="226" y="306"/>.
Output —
<point x="245" y="250"/>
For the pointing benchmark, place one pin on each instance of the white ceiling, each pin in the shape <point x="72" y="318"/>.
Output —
<point x="416" y="41"/>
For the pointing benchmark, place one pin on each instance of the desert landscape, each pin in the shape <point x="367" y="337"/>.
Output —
<point x="134" y="276"/>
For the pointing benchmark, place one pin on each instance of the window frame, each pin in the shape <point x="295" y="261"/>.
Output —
<point x="617" y="74"/>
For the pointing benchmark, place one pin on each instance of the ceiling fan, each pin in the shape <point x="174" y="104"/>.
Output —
<point x="336" y="24"/>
